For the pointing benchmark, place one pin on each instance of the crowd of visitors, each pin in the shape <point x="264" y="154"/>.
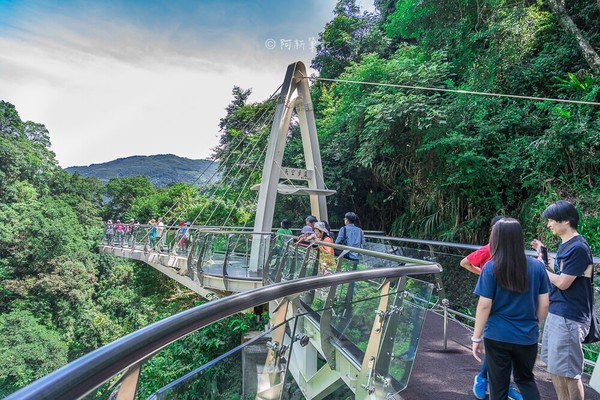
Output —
<point x="119" y="233"/>
<point x="154" y="233"/>
<point x="519" y="295"/>
<point x="314" y="230"/>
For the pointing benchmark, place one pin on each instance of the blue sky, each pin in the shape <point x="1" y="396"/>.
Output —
<point x="111" y="79"/>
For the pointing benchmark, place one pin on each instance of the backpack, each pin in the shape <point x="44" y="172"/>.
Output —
<point x="593" y="335"/>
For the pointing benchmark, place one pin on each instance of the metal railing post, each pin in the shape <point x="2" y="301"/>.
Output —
<point x="445" y="305"/>
<point x="226" y="259"/>
<point x="127" y="386"/>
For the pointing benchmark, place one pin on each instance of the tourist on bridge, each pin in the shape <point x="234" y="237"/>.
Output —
<point x="129" y="229"/>
<point x="109" y="231"/>
<point x="327" y="259"/>
<point x="331" y="234"/>
<point x="120" y="230"/>
<point x="160" y="228"/>
<point x="474" y="262"/>
<point x="152" y="234"/>
<point x="513" y="303"/>
<point x="351" y="235"/>
<point x="307" y="234"/>
<point x="184" y="234"/>
<point x="571" y="301"/>
<point x="284" y="230"/>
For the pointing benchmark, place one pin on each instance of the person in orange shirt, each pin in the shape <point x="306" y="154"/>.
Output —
<point x="327" y="257"/>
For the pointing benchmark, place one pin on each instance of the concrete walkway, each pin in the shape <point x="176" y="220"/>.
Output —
<point x="448" y="374"/>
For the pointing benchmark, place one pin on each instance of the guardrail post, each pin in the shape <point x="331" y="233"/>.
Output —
<point x="365" y="384"/>
<point x="279" y="271"/>
<point x="325" y="328"/>
<point x="190" y="261"/>
<point x="127" y="386"/>
<point x="267" y="264"/>
<point x="302" y="272"/>
<point x="294" y="261"/>
<point x="199" y="270"/>
<point x="226" y="260"/>
<point x="445" y="304"/>
<point x="385" y="354"/>
<point x="272" y="381"/>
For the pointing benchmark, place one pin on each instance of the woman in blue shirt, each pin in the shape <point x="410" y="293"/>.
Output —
<point x="513" y="303"/>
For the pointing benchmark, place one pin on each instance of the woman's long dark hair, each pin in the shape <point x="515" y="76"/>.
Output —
<point x="508" y="255"/>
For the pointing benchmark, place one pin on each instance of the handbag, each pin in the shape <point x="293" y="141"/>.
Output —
<point x="593" y="335"/>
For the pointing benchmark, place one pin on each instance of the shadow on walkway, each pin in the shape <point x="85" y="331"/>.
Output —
<point x="448" y="374"/>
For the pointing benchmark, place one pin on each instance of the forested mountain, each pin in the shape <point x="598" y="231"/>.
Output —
<point x="161" y="169"/>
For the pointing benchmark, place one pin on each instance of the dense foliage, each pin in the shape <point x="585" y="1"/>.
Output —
<point x="59" y="299"/>
<point x="440" y="165"/>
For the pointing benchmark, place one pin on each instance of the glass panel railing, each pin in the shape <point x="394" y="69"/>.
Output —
<point x="231" y="254"/>
<point x="291" y="262"/>
<point x="411" y="317"/>
<point x="234" y="375"/>
<point x="292" y="360"/>
<point x="458" y="283"/>
<point x="235" y="254"/>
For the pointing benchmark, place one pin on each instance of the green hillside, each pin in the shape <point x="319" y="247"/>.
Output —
<point x="162" y="169"/>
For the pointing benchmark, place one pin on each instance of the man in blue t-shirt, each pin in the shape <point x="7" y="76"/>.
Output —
<point x="570" y="310"/>
<point x="351" y="235"/>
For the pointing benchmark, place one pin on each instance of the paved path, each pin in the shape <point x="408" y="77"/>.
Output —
<point x="448" y="374"/>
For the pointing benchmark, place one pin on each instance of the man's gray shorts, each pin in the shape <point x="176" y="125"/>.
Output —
<point x="561" y="346"/>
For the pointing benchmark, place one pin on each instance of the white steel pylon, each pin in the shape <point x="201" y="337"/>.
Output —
<point x="295" y="95"/>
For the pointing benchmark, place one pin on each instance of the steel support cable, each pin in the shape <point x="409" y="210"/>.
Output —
<point x="221" y="165"/>
<point x="256" y="165"/>
<point x="259" y="159"/>
<point x="457" y="91"/>
<point x="249" y="125"/>
<point x="262" y="119"/>
<point x="223" y="181"/>
<point x="245" y="223"/>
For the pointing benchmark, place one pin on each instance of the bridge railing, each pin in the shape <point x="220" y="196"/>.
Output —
<point x="312" y="313"/>
<point x="457" y="283"/>
<point x="209" y="252"/>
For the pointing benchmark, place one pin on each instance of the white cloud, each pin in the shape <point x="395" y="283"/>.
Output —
<point x="106" y="87"/>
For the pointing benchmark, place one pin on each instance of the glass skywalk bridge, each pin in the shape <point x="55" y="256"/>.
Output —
<point x="351" y="334"/>
<point x="345" y="334"/>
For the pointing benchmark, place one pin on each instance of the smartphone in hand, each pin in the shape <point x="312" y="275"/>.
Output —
<point x="544" y="253"/>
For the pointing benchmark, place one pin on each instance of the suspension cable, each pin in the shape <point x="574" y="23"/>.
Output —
<point x="232" y="152"/>
<point x="221" y="164"/>
<point x="458" y="91"/>
<point x="237" y="175"/>
<point x="256" y="165"/>
<point x="264" y="117"/>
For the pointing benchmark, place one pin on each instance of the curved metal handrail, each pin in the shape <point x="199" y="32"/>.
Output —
<point x="437" y="243"/>
<point x="88" y="372"/>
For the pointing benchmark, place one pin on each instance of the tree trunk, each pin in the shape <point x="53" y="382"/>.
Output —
<point x="589" y="54"/>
